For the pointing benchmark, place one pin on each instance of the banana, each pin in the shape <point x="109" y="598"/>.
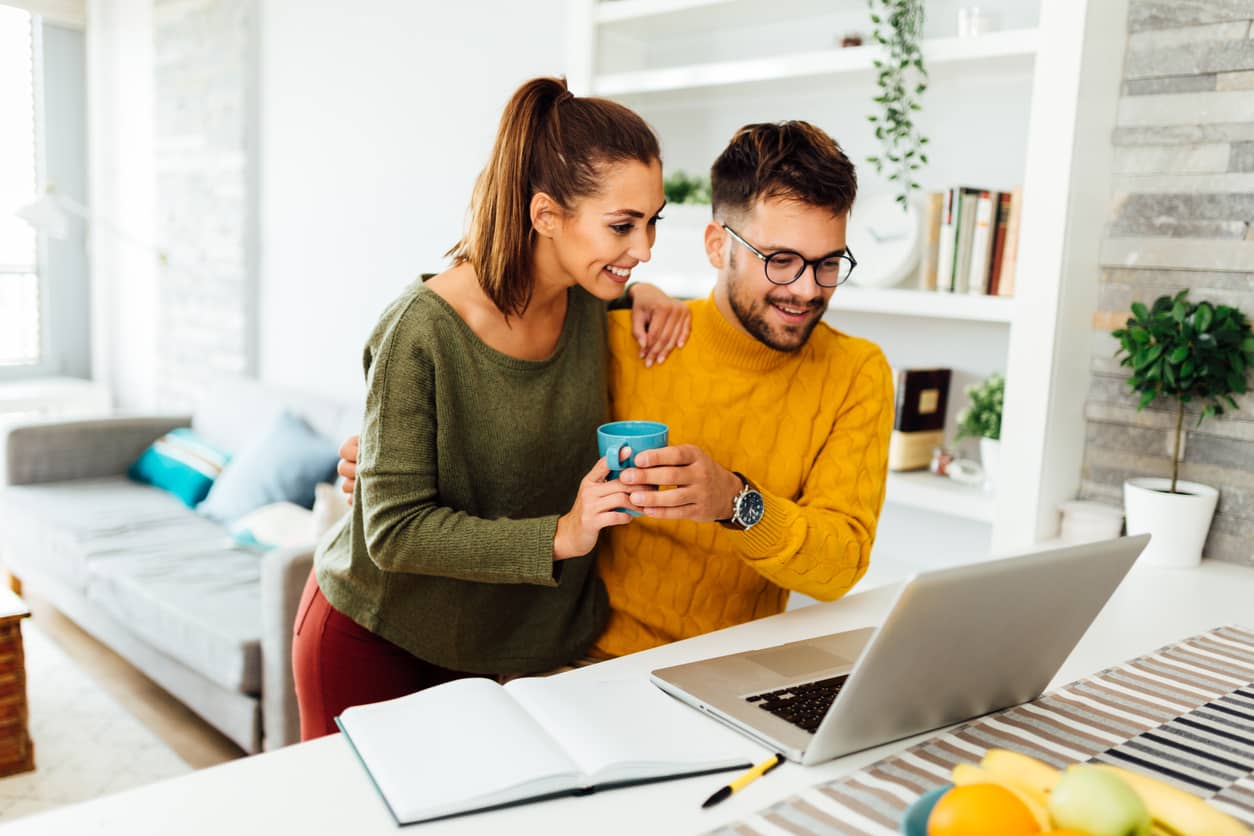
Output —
<point x="969" y="773"/>
<point x="1032" y="776"/>
<point x="1176" y="811"/>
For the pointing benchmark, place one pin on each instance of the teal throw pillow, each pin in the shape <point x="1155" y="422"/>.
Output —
<point x="283" y="463"/>
<point x="182" y="463"/>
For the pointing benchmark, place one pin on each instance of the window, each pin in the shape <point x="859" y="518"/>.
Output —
<point x="20" y="332"/>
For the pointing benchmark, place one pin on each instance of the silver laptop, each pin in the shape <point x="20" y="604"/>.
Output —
<point x="957" y="643"/>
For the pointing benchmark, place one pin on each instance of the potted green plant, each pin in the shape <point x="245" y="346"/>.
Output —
<point x="982" y="419"/>
<point x="1186" y="352"/>
<point x="902" y="79"/>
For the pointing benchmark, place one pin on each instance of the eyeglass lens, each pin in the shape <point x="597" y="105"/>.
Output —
<point x="786" y="267"/>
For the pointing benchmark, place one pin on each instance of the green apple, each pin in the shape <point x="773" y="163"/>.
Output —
<point x="1096" y="802"/>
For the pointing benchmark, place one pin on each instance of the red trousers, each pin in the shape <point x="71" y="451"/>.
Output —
<point x="338" y="663"/>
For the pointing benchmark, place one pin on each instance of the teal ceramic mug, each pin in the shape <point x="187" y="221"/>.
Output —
<point x="634" y="435"/>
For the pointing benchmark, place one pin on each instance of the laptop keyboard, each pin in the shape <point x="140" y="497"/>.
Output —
<point x="803" y="705"/>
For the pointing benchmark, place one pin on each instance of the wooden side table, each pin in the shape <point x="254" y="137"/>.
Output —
<point x="17" y="752"/>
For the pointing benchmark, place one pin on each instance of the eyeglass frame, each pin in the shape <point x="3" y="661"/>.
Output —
<point x="812" y="264"/>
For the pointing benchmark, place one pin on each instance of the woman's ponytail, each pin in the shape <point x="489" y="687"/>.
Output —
<point x="550" y="141"/>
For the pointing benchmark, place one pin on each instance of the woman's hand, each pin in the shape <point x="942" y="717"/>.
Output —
<point x="593" y="510"/>
<point x="348" y="466"/>
<point x="659" y="323"/>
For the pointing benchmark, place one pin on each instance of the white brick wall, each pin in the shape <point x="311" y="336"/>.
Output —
<point x="1182" y="215"/>
<point x="205" y="90"/>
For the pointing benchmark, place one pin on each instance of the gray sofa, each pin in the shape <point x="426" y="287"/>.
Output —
<point x="153" y="580"/>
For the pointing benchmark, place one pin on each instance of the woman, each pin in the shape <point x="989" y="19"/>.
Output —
<point x="467" y="552"/>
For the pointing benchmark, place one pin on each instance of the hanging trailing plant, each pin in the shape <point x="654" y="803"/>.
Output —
<point x="898" y="25"/>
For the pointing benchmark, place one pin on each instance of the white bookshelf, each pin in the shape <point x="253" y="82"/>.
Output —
<point x="932" y="304"/>
<point x="929" y="492"/>
<point x="1006" y="48"/>
<point x="1032" y="104"/>
<point x="893" y="301"/>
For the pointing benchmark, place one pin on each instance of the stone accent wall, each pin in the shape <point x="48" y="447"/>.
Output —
<point x="206" y="196"/>
<point x="1182" y="216"/>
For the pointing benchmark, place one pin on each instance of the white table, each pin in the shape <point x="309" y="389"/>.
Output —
<point x="319" y="787"/>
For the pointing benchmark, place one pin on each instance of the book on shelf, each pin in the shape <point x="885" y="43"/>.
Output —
<point x="472" y="744"/>
<point x="933" y="210"/>
<point x="964" y="237"/>
<point x="982" y="243"/>
<point x="945" y="246"/>
<point x="922" y="396"/>
<point x="999" y="242"/>
<point x="1010" y="259"/>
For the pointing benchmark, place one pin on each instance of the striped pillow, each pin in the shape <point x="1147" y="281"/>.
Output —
<point x="182" y="463"/>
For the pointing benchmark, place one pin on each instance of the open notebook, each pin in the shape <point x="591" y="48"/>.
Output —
<point x="472" y="744"/>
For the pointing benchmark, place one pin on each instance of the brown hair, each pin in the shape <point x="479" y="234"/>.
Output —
<point x="549" y="141"/>
<point x="792" y="160"/>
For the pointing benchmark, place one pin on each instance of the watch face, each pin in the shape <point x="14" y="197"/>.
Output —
<point x="751" y="508"/>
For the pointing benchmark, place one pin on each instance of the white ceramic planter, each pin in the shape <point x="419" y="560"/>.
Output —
<point x="990" y="460"/>
<point x="1177" y="523"/>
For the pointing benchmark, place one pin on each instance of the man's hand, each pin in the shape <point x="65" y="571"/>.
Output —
<point x="703" y="489"/>
<point x="348" y="465"/>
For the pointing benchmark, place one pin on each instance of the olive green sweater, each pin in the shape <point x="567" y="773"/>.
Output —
<point x="468" y="456"/>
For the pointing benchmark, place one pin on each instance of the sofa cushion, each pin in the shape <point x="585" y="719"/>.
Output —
<point x="159" y="568"/>
<point x="181" y="463"/>
<point x="61" y="528"/>
<point x="201" y="606"/>
<point x="282" y="463"/>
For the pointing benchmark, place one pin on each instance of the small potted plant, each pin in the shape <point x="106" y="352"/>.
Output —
<point x="1185" y="352"/>
<point x="982" y="419"/>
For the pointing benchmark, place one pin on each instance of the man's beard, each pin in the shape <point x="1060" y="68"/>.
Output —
<point x="753" y="312"/>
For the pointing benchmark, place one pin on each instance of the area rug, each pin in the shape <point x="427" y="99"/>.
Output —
<point x="86" y="744"/>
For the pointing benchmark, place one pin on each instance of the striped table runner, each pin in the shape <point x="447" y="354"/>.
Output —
<point x="1184" y="713"/>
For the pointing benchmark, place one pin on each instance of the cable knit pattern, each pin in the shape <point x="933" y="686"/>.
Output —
<point x="809" y="428"/>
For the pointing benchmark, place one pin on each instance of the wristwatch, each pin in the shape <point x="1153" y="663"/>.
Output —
<point x="747" y="507"/>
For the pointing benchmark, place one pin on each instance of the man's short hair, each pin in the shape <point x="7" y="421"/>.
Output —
<point x="791" y="160"/>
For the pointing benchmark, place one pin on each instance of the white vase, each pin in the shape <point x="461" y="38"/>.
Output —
<point x="1177" y="523"/>
<point x="990" y="460"/>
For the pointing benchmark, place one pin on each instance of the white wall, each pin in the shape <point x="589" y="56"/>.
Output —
<point x="120" y="190"/>
<point x="376" y="118"/>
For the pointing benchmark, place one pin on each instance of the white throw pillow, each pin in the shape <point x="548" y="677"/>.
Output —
<point x="330" y="505"/>
<point x="273" y="526"/>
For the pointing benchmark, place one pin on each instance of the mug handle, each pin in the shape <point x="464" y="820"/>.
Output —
<point x="613" y="455"/>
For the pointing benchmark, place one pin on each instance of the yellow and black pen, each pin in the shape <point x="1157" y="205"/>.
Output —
<point x="744" y="780"/>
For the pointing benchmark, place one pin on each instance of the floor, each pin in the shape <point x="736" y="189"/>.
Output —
<point x="192" y="739"/>
<point x="86" y="743"/>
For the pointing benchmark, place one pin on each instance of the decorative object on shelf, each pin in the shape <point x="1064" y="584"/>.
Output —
<point x="919" y="423"/>
<point x="942" y="457"/>
<point x="974" y="21"/>
<point x="1088" y="522"/>
<point x="681" y="187"/>
<point x="982" y="419"/>
<point x="851" y="39"/>
<point x="1182" y="351"/>
<point x="885" y="239"/>
<point x="902" y="80"/>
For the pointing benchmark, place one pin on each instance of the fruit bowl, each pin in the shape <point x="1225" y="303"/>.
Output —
<point x="914" y="822"/>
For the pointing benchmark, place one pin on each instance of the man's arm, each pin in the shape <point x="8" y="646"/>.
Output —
<point x="819" y="544"/>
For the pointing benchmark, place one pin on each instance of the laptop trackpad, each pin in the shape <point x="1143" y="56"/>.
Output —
<point x="797" y="660"/>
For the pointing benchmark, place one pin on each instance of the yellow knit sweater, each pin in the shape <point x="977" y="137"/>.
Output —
<point x="810" y="430"/>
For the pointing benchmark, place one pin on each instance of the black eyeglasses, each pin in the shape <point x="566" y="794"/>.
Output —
<point x="786" y="266"/>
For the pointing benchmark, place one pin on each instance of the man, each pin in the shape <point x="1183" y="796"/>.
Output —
<point x="779" y="423"/>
